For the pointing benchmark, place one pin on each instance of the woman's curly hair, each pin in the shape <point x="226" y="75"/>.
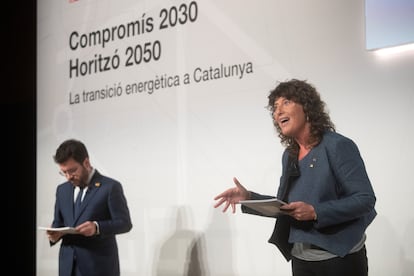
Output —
<point x="303" y="93"/>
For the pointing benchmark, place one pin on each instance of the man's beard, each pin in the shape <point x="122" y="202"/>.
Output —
<point x="80" y="182"/>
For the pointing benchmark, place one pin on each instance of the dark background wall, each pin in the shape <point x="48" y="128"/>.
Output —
<point x="18" y="113"/>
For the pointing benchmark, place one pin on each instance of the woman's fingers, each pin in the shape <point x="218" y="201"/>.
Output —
<point x="220" y="202"/>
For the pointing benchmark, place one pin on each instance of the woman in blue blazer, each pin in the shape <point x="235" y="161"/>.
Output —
<point x="102" y="213"/>
<point x="325" y="183"/>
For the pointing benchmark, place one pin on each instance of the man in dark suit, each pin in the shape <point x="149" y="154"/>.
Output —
<point x="102" y="212"/>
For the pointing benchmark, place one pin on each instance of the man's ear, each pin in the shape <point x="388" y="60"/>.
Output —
<point x="86" y="163"/>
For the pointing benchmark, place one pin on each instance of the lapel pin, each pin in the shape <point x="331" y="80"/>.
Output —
<point x="97" y="184"/>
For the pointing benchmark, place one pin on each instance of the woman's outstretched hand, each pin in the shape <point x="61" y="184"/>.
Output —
<point x="232" y="196"/>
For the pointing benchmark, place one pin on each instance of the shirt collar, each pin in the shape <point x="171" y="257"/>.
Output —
<point x="91" y="175"/>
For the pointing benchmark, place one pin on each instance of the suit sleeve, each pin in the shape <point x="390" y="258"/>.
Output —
<point x="120" y="221"/>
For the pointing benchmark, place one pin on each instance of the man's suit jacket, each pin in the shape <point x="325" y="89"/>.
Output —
<point x="105" y="203"/>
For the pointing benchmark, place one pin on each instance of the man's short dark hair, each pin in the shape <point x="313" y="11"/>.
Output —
<point x="71" y="148"/>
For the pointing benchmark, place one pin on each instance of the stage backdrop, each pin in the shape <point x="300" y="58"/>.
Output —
<point x="170" y="99"/>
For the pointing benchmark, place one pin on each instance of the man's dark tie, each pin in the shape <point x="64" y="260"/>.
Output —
<point x="78" y="202"/>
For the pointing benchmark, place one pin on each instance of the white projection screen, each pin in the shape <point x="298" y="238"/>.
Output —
<point x="170" y="99"/>
<point x="389" y="23"/>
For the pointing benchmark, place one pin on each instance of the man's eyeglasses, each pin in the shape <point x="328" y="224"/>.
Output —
<point x="68" y="173"/>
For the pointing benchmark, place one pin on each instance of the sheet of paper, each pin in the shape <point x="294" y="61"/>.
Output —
<point x="66" y="230"/>
<point x="268" y="207"/>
